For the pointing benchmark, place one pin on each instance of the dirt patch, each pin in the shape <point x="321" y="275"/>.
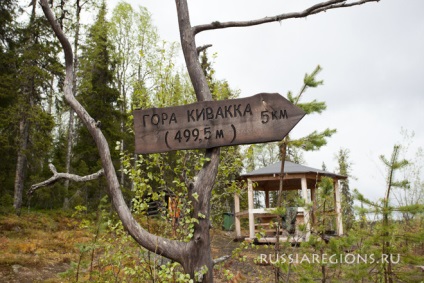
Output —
<point x="243" y="266"/>
<point x="27" y="274"/>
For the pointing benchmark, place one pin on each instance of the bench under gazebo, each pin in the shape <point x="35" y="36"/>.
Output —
<point x="296" y="177"/>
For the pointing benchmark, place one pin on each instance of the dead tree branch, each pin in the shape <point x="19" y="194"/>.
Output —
<point x="203" y="48"/>
<point x="315" y="9"/>
<point x="71" y="177"/>
<point x="221" y="259"/>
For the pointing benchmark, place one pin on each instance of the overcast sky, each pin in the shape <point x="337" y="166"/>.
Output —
<point x="373" y="69"/>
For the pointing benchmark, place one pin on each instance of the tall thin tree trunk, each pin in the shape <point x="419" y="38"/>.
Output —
<point x="21" y="164"/>
<point x="121" y="150"/>
<point x="71" y="111"/>
<point x="122" y="128"/>
<point x="69" y="156"/>
<point x="388" y="277"/>
<point x="283" y="152"/>
<point x="24" y="126"/>
<point x="50" y="98"/>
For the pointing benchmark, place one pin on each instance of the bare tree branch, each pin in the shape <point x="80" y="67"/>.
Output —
<point x="221" y="259"/>
<point x="188" y="44"/>
<point x="315" y="9"/>
<point x="57" y="176"/>
<point x="202" y="48"/>
<point x="343" y="5"/>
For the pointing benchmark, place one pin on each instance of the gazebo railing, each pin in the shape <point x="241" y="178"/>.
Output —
<point x="265" y="217"/>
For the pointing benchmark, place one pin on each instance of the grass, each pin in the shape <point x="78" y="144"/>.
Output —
<point x="38" y="240"/>
<point x="37" y="246"/>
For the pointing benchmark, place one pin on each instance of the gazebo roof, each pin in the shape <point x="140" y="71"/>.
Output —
<point x="290" y="168"/>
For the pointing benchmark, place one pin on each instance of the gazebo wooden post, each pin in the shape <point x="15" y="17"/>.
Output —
<point x="306" y="209"/>
<point x="267" y="199"/>
<point x="236" y="217"/>
<point x="314" y="205"/>
<point x="250" y="209"/>
<point x="338" y="207"/>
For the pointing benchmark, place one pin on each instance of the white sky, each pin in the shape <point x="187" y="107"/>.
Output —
<point x="373" y="69"/>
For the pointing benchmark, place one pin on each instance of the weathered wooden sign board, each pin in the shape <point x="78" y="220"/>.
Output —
<point x="264" y="117"/>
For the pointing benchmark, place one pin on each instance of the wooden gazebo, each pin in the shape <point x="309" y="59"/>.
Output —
<point x="296" y="177"/>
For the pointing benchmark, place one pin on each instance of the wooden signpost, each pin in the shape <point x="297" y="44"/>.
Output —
<point x="264" y="117"/>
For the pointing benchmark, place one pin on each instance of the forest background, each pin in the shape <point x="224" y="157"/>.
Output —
<point x="115" y="76"/>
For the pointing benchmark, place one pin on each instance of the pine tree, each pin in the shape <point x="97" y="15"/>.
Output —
<point x="8" y="95"/>
<point x="388" y="237"/>
<point x="29" y="73"/>
<point x="99" y="98"/>
<point x="344" y="169"/>
<point x="311" y="142"/>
